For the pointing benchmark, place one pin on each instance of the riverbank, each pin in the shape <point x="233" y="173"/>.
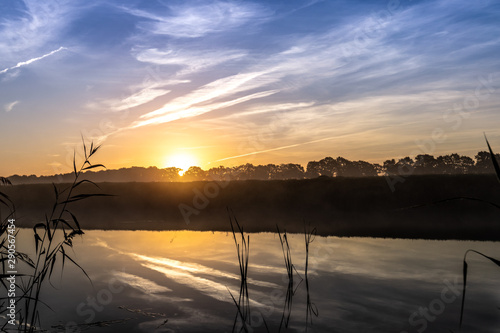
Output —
<point x="420" y="207"/>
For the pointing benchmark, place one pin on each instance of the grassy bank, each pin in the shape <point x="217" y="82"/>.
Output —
<point x="335" y="206"/>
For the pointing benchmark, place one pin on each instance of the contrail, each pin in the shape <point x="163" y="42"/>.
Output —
<point x="24" y="63"/>
<point x="279" y="148"/>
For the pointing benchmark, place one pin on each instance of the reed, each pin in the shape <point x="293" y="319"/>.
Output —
<point x="243" y="249"/>
<point x="465" y="265"/>
<point x="465" y="271"/>
<point x="312" y="309"/>
<point x="52" y="239"/>
<point x="290" y="269"/>
<point x="8" y="254"/>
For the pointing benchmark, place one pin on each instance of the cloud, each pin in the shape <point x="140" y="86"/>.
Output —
<point x="30" y="61"/>
<point x="150" y="89"/>
<point x="277" y="148"/>
<point x="169" y="113"/>
<point x="144" y="96"/>
<point x="10" y="106"/>
<point x="270" y="108"/>
<point x="39" y="24"/>
<point x="307" y="59"/>
<point x="192" y="61"/>
<point x="363" y="76"/>
<point x="187" y="21"/>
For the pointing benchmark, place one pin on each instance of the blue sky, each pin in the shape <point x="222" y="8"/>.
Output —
<point x="230" y="82"/>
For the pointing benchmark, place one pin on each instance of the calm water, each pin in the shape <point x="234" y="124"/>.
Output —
<point x="356" y="284"/>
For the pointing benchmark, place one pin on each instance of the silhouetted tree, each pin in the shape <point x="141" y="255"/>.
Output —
<point x="483" y="162"/>
<point x="342" y="167"/>
<point x="464" y="164"/>
<point x="425" y="164"/>
<point x="365" y="169"/>
<point x="454" y="164"/>
<point x="242" y="172"/>
<point x="219" y="173"/>
<point x="289" y="171"/>
<point x="194" y="173"/>
<point x="405" y="166"/>
<point x="261" y="172"/>
<point x="170" y="174"/>
<point x="328" y="167"/>
<point x="390" y="168"/>
<point x="313" y="169"/>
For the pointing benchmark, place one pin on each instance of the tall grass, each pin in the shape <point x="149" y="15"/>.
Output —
<point x="311" y="310"/>
<point x="290" y="269"/>
<point x="465" y="271"/>
<point x="6" y="256"/>
<point x="495" y="261"/>
<point x="243" y="249"/>
<point x="52" y="239"/>
<point x="9" y="205"/>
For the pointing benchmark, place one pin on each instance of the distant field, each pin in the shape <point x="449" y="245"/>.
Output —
<point x="335" y="206"/>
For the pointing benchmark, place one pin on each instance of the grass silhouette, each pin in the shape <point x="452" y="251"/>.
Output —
<point x="493" y="260"/>
<point x="52" y="239"/>
<point x="243" y="250"/>
<point x="290" y="269"/>
<point x="311" y="309"/>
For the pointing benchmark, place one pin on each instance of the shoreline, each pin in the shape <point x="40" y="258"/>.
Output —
<point x="343" y="207"/>
<point x="291" y="233"/>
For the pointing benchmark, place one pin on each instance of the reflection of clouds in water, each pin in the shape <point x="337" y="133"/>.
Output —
<point x="208" y="287"/>
<point x="424" y="260"/>
<point x="361" y="285"/>
<point x="186" y="273"/>
<point x="200" y="269"/>
<point x="137" y="282"/>
<point x="365" y="304"/>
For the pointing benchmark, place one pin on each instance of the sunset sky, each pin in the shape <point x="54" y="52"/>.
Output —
<point x="230" y="82"/>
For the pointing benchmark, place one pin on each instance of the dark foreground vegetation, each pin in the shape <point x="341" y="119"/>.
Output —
<point x="427" y="206"/>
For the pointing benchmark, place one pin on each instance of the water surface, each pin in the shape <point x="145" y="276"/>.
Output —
<point x="142" y="278"/>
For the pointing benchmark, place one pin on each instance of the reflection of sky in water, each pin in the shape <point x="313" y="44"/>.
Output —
<point x="358" y="284"/>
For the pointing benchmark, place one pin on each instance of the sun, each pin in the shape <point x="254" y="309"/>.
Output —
<point x="182" y="161"/>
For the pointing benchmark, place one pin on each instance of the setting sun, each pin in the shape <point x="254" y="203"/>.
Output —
<point x="182" y="161"/>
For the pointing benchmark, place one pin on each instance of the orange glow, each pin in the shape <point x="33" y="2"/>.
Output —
<point x="182" y="161"/>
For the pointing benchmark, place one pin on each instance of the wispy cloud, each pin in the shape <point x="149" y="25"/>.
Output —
<point x="270" y="108"/>
<point x="30" y="61"/>
<point x="38" y="25"/>
<point x="143" y="96"/>
<point x="301" y="62"/>
<point x="277" y="148"/>
<point x="187" y="21"/>
<point x="140" y="94"/>
<point x="10" y="106"/>
<point x="169" y="113"/>
<point x="191" y="61"/>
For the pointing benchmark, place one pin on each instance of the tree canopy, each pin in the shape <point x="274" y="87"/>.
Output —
<point x="327" y="167"/>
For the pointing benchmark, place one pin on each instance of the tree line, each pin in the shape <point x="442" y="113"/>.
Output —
<point x="327" y="167"/>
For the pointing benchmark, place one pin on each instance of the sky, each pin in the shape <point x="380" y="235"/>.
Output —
<point x="167" y="83"/>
